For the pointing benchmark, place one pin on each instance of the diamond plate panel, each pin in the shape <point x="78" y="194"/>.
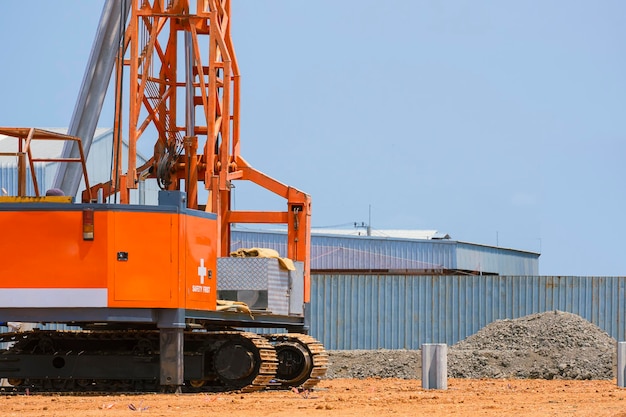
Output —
<point x="261" y="274"/>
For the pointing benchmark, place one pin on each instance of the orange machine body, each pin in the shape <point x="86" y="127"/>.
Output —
<point x="139" y="257"/>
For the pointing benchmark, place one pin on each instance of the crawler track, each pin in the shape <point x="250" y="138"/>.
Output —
<point x="122" y="361"/>
<point x="128" y="361"/>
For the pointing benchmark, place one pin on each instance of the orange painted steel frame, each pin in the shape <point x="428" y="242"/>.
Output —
<point x="159" y="246"/>
<point x="210" y="154"/>
<point x="25" y="138"/>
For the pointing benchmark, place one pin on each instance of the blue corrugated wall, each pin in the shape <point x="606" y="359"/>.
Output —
<point x="9" y="179"/>
<point x="403" y="312"/>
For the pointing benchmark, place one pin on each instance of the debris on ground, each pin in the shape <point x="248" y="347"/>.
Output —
<point x="550" y="345"/>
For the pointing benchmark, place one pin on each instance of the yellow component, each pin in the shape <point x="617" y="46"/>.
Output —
<point x="264" y="253"/>
<point x="226" y="305"/>
<point x="16" y="382"/>
<point x="42" y="199"/>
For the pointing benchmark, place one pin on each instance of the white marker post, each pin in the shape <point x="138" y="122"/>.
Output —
<point x="435" y="366"/>
<point x="621" y="364"/>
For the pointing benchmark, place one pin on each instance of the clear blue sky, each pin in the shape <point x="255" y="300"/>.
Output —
<point x="497" y="122"/>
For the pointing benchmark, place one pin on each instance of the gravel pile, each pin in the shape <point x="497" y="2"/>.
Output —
<point x="552" y="345"/>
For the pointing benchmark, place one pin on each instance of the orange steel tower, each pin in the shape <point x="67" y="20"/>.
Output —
<point x="193" y="117"/>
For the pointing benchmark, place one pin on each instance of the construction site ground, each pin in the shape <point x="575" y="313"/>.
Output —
<point x="548" y="364"/>
<point x="349" y="397"/>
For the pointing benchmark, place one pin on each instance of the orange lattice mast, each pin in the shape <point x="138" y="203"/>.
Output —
<point x="192" y="116"/>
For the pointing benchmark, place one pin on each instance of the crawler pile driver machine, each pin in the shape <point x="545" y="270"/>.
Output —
<point x="127" y="292"/>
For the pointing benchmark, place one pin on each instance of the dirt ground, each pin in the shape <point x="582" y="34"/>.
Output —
<point x="349" y="397"/>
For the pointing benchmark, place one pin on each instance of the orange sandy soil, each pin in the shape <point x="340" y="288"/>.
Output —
<point x="348" y="397"/>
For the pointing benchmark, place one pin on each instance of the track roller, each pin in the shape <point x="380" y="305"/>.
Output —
<point x="241" y="361"/>
<point x="302" y="360"/>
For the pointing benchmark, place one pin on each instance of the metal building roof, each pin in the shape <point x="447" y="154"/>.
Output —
<point x="396" y="254"/>
<point x="390" y="233"/>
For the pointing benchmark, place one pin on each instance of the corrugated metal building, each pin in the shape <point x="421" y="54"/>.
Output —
<point x="98" y="163"/>
<point x="336" y="252"/>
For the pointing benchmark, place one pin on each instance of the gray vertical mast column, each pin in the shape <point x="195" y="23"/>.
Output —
<point x="92" y="91"/>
